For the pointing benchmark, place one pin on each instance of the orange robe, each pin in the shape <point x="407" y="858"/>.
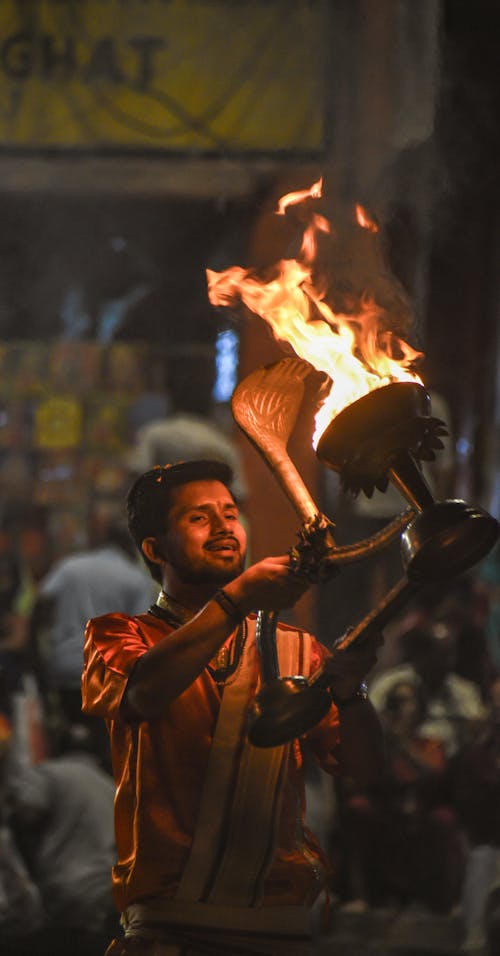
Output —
<point x="160" y="765"/>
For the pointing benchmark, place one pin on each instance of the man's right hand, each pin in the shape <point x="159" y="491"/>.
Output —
<point x="268" y="585"/>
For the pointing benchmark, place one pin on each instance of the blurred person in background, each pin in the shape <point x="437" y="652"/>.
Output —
<point x="105" y="577"/>
<point x="213" y="856"/>
<point x="476" y="796"/>
<point x="13" y="622"/>
<point x="188" y="432"/>
<point x="21" y="907"/>
<point x="24" y="559"/>
<point x="401" y="840"/>
<point x="60" y="812"/>
<point x="17" y="590"/>
<point x="429" y="641"/>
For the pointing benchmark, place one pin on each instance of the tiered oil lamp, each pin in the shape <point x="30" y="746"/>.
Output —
<point x="337" y="305"/>
<point x="379" y="438"/>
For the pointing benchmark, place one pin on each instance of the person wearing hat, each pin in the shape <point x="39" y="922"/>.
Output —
<point x="213" y="856"/>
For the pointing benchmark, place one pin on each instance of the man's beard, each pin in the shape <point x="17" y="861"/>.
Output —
<point x="216" y="576"/>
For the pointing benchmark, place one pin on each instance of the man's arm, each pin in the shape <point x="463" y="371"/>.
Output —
<point x="362" y="750"/>
<point x="168" y="668"/>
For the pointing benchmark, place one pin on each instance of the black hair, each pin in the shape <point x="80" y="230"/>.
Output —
<point x="148" y="500"/>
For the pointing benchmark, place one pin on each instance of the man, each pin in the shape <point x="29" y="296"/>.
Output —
<point x="429" y="641"/>
<point x="212" y="853"/>
<point x="61" y="811"/>
<point x="188" y="430"/>
<point x="80" y="586"/>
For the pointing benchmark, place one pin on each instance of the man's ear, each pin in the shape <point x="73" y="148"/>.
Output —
<point x="152" y="550"/>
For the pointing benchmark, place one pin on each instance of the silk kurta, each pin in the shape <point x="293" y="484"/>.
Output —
<point x="160" y="765"/>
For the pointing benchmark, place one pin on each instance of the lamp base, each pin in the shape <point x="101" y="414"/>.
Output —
<point x="284" y="709"/>
<point x="446" y="539"/>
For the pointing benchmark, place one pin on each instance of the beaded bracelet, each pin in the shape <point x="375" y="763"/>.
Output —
<point x="228" y="605"/>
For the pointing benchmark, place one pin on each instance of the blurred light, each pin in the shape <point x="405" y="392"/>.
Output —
<point x="57" y="473"/>
<point x="463" y="447"/>
<point x="118" y="243"/>
<point x="226" y="365"/>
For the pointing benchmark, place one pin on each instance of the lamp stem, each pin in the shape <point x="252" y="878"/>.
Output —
<point x="409" y="480"/>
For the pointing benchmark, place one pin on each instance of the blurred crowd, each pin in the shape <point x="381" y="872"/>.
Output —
<point x="428" y="837"/>
<point x="56" y="827"/>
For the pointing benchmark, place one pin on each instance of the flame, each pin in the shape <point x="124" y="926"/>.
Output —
<point x="364" y="220"/>
<point x="291" y="199"/>
<point x="356" y="349"/>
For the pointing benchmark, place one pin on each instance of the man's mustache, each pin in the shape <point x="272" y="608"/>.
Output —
<point x="222" y="541"/>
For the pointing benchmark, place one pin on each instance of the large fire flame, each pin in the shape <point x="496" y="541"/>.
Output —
<point x="357" y="349"/>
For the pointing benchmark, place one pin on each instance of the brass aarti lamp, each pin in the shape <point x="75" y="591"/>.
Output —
<point x="380" y="438"/>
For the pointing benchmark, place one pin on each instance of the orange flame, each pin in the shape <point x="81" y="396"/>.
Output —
<point x="364" y="220"/>
<point x="356" y="350"/>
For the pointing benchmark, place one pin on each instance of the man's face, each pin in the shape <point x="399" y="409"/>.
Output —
<point x="205" y="541"/>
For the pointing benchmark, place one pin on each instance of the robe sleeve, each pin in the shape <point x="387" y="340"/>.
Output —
<point x="113" y="645"/>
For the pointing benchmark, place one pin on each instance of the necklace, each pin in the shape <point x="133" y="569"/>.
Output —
<point x="172" y="610"/>
<point x="228" y="658"/>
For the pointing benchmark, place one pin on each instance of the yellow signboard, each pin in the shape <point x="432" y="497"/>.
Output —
<point x="204" y="76"/>
<point x="58" y="423"/>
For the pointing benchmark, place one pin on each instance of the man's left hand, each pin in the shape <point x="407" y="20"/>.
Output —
<point x="349" y="666"/>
